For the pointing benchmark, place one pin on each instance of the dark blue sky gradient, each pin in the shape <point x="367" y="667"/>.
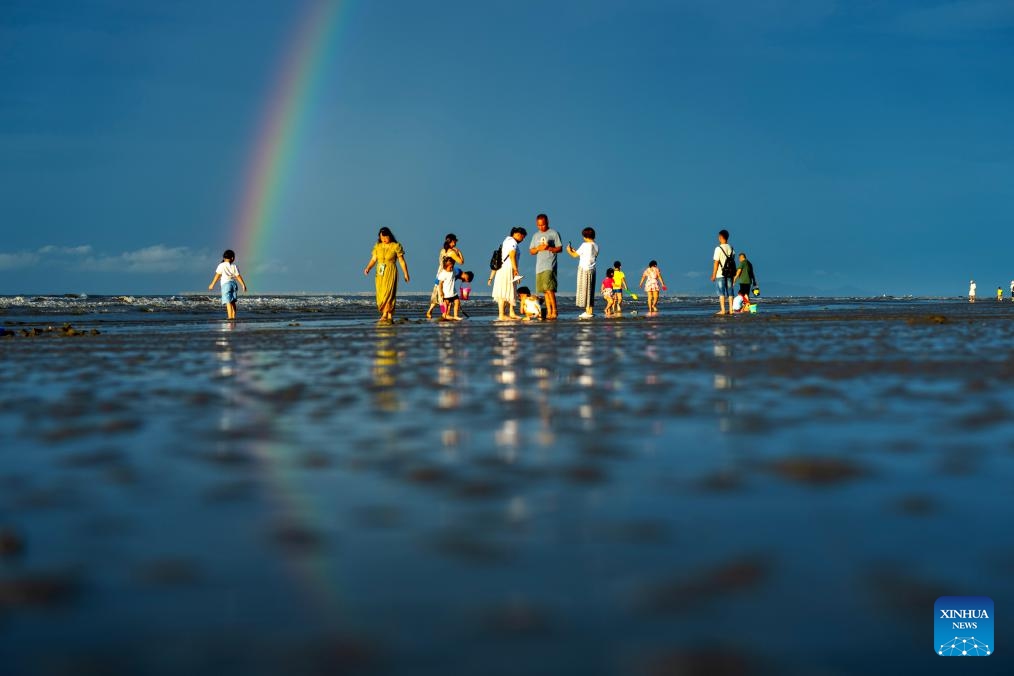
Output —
<point x="850" y="147"/>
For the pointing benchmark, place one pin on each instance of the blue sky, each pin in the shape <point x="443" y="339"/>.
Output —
<point x="850" y="147"/>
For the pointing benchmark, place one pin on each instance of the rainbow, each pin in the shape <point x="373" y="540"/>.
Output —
<point x="283" y="118"/>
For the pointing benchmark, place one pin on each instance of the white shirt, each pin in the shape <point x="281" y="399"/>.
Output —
<point x="737" y="303"/>
<point x="509" y="244"/>
<point x="228" y="271"/>
<point x="971" y="289"/>
<point x="448" y="284"/>
<point x="587" y="253"/>
<point x="531" y="306"/>
<point x="722" y="251"/>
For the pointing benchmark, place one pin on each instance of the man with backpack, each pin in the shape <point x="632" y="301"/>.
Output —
<point x="723" y="270"/>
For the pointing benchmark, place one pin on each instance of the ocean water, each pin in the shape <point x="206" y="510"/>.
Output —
<point x="306" y="491"/>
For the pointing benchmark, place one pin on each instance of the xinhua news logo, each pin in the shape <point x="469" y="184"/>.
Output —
<point x="963" y="626"/>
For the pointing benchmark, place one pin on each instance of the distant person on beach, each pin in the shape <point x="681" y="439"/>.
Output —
<point x="652" y="283"/>
<point x="744" y="275"/>
<point x="545" y="245"/>
<point x="228" y="273"/>
<point x="723" y="270"/>
<point x="448" y="250"/>
<point x="505" y="279"/>
<point x="386" y="252"/>
<point x="999" y="293"/>
<point x="971" y="291"/>
<point x="586" y="254"/>
<point x="530" y="306"/>
<point x="619" y="285"/>
<point x="1012" y="290"/>
<point x="447" y="291"/>
<point x="608" y="291"/>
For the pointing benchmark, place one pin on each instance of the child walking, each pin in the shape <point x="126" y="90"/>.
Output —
<point x="619" y="286"/>
<point x="652" y="282"/>
<point x="465" y="288"/>
<point x="587" y="253"/>
<point x="609" y="290"/>
<point x="228" y="272"/>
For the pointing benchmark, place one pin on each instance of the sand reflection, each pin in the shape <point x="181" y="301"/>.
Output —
<point x="385" y="370"/>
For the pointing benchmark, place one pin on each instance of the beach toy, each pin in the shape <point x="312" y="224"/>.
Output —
<point x="756" y="291"/>
<point x="665" y="288"/>
<point x="443" y="308"/>
<point x="465" y="290"/>
<point x="633" y="295"/>
<point x="753" y="309"/>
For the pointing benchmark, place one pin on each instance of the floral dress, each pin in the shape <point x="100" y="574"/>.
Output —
<point x="651" y="282"/>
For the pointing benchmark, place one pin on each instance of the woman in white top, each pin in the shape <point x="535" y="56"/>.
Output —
<point x="507" y="276"/>
<point x="586" y="253"/>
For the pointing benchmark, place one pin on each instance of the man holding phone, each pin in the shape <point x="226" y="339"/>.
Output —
<point x="545" y="245"/>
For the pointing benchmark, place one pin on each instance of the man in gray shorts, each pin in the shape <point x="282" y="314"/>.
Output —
<point x="545" y="245"/>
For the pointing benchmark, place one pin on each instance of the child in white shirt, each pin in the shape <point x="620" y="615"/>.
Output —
<point x="228" y="272"/>
<point x="531" y="308"/>
<point x="448" y="290"/>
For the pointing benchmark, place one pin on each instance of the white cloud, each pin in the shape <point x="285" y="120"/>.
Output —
<point x="16" y="261"/>
<point x="157" y="259"/>
<point x="51" y="249"/>
<point x="152" y="259"/>
<point x="270" y="267"/>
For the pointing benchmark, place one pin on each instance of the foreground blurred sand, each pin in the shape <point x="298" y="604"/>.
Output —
<point x="784" y="493"/>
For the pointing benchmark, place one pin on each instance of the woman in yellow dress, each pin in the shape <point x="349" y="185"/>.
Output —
<point x="385" y="252"/>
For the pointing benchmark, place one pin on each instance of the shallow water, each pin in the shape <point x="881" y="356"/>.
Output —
<point x="309" y="492"/>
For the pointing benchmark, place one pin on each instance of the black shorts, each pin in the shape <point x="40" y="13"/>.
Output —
<point x="450" y="299"/>
<point x="744" y="289"/>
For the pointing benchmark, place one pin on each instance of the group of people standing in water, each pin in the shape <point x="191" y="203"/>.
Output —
<point x="452" y="283"/>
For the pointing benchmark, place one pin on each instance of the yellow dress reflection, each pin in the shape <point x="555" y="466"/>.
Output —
<point x="385" y="370"/>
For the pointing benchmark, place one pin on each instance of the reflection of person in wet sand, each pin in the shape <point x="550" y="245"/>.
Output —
<point x="386" y="251"/>
<point x="385" y="363"/>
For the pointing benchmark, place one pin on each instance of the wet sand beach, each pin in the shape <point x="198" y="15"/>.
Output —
<point x="305" y="491"/>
